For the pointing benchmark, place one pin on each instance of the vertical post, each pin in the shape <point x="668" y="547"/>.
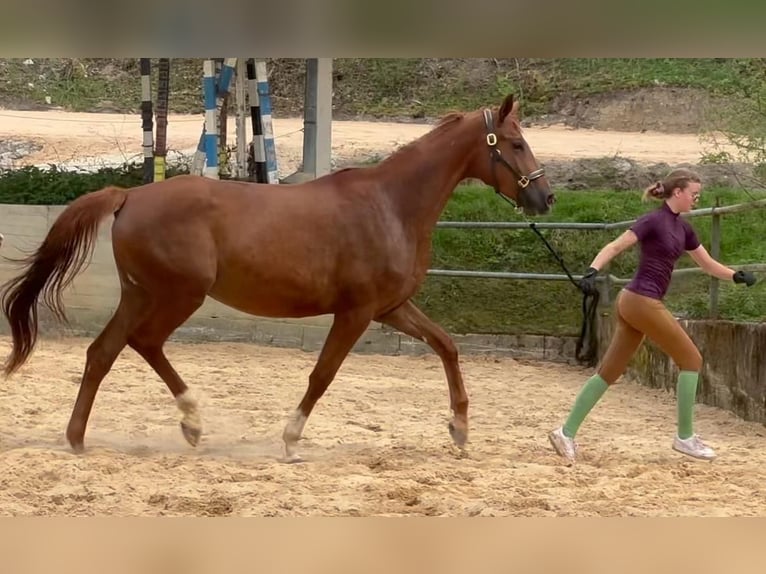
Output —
<point x="239" y="88"/>
<point x="715" y="253"/>
<point x="259" y="148"/>
<point x="222" y="113"/>
<point x="606" y="291"/>
<point x="211" y="131"/>
<point x="163" y="93"/>
<point x="146" y="118"/>
<point x="223" y="90"/>
<point x="317" y="117"/>
<point x="310" y="118"/>
<point x="264" y="98"/>
<point x="198" y="161"/>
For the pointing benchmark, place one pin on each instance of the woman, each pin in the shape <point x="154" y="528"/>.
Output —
<point x="640" y="311"/>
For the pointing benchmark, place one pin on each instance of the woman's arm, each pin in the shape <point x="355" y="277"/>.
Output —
<point x="613" y="249"/>
<point x="608" y="252"/>
<point x="709" y="265"/>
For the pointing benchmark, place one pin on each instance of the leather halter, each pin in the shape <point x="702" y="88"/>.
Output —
<point x="496" y="157"/>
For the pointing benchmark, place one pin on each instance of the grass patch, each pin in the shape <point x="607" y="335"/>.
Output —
<point x="543" y="79"/>
<point x="34" y="186"/>
<point x="380" y="87"/>
<point x="594" y="75"/>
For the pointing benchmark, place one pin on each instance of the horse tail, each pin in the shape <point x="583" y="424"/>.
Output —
<point x="66" y="250"/>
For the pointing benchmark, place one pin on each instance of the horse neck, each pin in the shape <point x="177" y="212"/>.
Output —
<point x="422" y="176"/>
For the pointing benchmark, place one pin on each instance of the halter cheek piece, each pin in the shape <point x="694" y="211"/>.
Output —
<point x="496" y="157"/>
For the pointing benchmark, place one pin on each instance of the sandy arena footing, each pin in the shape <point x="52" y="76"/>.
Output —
<point x="377" y="443"/>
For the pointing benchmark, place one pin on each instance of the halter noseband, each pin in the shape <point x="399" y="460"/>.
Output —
<point x="496" y="157"/>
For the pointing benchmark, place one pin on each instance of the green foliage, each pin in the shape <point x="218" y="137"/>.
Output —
<point x="385" y="87"/>
<point x="53" y="186"/>
<point x="737" y="131"/>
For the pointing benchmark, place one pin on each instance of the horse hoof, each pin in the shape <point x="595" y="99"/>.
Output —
<point x="75" y="440"/>
<point x="191" y="434"/>
<point x="459" y="435"/>
<point x="290" y="456"/>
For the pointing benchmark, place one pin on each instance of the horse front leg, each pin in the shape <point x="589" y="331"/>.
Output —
<point x="345" y="331"/>
<point x="410" y="320"/>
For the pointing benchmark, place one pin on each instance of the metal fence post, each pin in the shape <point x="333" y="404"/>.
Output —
<point x="715" y="252"/>
<point x="606" y="287"/>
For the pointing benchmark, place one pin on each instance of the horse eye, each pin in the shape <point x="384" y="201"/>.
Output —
<point x="518" y="145"/>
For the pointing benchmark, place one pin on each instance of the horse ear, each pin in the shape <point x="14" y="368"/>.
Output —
<point x="509" y="106"/>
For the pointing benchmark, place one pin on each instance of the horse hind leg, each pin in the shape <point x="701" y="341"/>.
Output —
<point x="410" y="320"/>
<point x="148" y="340"/>
<point x="345" y="331"/>
<point x="100" y="357"/>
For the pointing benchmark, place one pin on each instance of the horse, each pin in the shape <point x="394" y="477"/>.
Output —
<point x="354" y="243"/>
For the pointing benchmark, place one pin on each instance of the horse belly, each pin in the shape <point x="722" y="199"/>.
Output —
<point x="276" y="290"/>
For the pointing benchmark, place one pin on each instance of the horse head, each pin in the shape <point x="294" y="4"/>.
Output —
<point x="512" y="169"/>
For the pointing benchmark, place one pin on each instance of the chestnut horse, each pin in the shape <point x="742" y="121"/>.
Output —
<point x="355" y="243"/>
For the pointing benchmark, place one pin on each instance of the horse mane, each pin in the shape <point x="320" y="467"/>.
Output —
<point x="448" y="118"/>
<point x="445" y="122"/>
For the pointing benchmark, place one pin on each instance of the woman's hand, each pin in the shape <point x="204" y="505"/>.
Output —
<point x="746" y="277"/>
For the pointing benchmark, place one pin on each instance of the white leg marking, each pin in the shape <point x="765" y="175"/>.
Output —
<point x="188" y="406"/>
<point x="294" y="427"/>
<point x="293" y="431"/>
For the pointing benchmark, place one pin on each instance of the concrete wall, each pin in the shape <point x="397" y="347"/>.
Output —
<point x="93" y="296"/>
<point x="734" y="364"/>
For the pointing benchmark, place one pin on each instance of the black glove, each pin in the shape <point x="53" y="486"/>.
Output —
<point x="745" y="277"/>
<point x="588" y="282"/>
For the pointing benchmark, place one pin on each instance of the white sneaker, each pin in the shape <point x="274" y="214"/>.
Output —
<point x="564" y="445"/>
<point x="694" y="447"/>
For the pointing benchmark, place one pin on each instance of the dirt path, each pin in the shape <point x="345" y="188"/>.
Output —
<point x="377" y="443"/>
<point x="69" y="136"/>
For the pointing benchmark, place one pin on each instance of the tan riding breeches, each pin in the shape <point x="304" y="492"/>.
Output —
<point x="637" y="317"/>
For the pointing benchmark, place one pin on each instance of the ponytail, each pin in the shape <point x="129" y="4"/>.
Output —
<point x="654" y="191"/>
<point x="678" y="178"/>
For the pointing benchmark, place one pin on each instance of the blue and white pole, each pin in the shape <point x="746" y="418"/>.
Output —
<point x="210" y="133"/>
<point x="264" y="98"/>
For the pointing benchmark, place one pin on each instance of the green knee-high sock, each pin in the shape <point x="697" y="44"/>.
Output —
<point x="589" y="395"/>
<point x="686" y="392"/>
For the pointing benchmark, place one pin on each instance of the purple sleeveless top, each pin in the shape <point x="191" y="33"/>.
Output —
<point x="663" y="236"/>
